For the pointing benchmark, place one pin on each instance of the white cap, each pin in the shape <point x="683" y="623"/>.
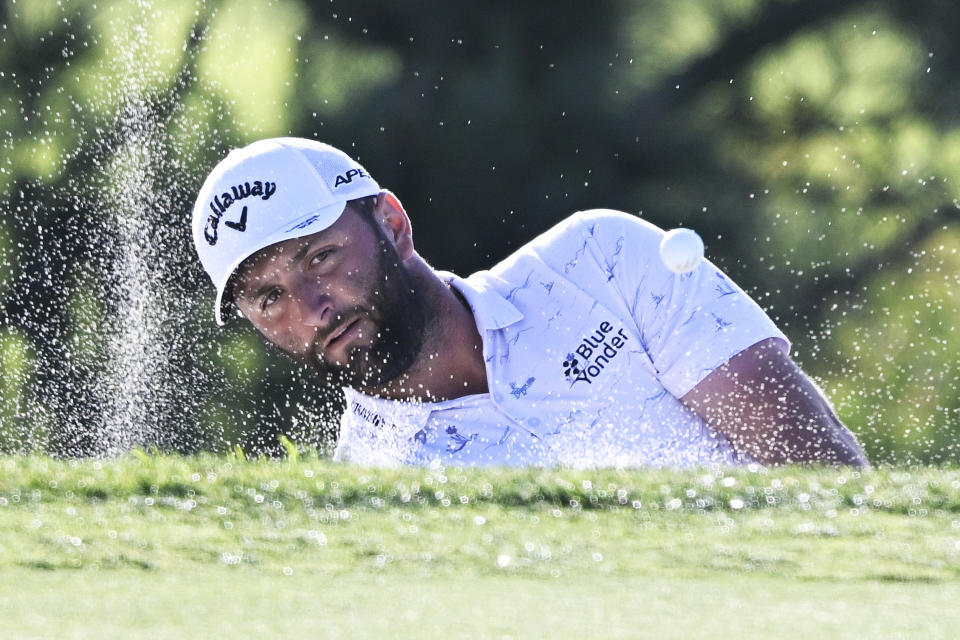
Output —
<point x="267" y="192"/>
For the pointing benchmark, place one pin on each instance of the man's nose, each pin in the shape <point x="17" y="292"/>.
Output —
<point x="313" y="302"/>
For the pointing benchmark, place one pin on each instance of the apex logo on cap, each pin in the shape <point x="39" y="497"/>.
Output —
<point x="347" y="178"/>
<point x="221" y="203"/>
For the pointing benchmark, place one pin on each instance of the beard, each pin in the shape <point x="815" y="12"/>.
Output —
<point x="399" y="317"/>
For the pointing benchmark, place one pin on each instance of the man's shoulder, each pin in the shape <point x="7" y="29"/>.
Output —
<point x="591" y="222"/>
<point x="591" y="233"/>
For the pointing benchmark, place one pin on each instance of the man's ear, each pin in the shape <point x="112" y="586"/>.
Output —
<point x="395" y="222"/>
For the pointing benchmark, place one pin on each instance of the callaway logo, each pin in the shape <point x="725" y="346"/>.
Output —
<point x="603" y="345"/>
<point x="348" y="177"/>
<point x="221" y="203"/>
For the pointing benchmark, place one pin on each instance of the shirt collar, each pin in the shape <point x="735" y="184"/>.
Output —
<point x="490" y="309"/>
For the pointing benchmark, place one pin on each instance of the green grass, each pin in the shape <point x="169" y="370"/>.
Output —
<point x="200" y="547"/>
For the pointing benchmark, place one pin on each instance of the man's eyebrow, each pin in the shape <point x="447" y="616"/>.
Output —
<point x="301" y="252"/>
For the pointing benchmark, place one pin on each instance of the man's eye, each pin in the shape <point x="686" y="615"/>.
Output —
<point x="320" y="256"/>
<point x="270" y="298"/>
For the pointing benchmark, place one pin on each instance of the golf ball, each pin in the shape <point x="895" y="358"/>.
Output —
<point x="681" y="250"/>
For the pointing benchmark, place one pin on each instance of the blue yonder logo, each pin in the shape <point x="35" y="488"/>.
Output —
<point x="594" y="353"/>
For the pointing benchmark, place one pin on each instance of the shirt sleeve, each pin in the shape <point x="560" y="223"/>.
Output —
<point x="689" y="324"/>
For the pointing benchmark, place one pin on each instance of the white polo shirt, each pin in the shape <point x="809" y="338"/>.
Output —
<point x="589" y="342"/>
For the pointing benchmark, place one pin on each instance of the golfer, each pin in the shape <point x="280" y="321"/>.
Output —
<point x="579" y="349"/>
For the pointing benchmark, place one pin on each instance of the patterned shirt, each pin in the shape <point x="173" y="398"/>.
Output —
<point x="589" y="342"/>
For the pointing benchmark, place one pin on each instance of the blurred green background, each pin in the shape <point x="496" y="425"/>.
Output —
<point x="814" y="145"/>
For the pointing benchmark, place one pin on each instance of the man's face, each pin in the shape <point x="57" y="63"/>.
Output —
<point x="341" y="300"/>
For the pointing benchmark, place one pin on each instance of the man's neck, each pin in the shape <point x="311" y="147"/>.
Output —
<point x="450" y="364"/>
